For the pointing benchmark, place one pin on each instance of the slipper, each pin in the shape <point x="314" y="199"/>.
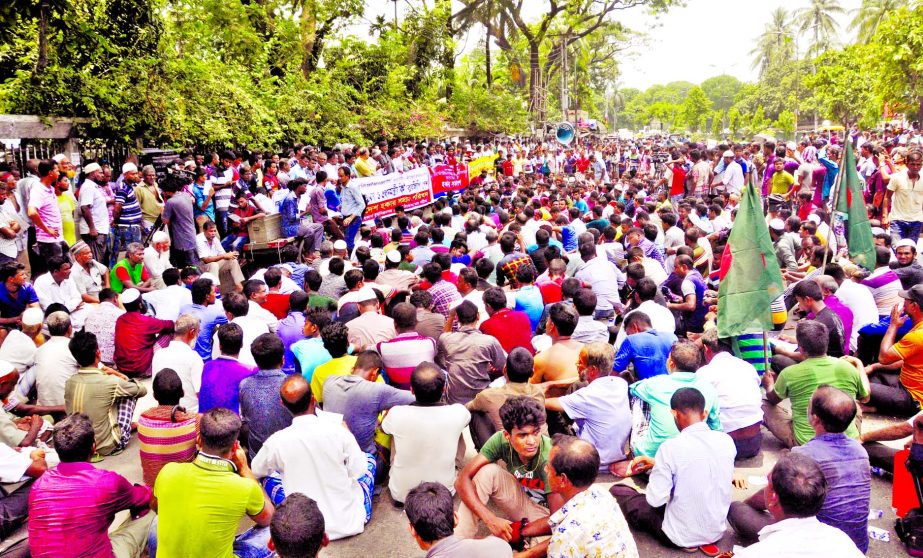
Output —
<point x="96" y="458"/>
<point x="710" y="549"/>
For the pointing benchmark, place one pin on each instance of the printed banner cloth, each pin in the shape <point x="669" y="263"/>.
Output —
<point x="411" y="189"/>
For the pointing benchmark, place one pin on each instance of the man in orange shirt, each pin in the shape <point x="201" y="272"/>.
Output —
<point x="903" y="397"/>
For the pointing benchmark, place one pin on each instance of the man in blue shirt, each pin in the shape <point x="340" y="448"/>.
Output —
<point x="310" y="234"/>
<point x="210" y="314"/>
<point x="644" y="347"/>
<point x="16" y="294"/>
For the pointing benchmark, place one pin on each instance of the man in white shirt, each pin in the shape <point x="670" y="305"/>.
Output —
<point x="739" y="397"/>
<point x="54" y="363"/>
<point x="167" y="301"/>
<point x="795" y="493"/>
<point x="157" y="257"/>
<point x="182" y="359"/>
<point x="662" y="319"/>
<point x="318" y="457"/>
<point x="94" y="221"/>
<point x="256" y="292"/>
<point x="236" y="308"/>
<point x="600" y="409"/>
<point x="426" y="434"/>
<point x="689" y="492"/>
<point x="733" y="176"/>
<point x="221" y="264"/>
<point x="56" y="286"/>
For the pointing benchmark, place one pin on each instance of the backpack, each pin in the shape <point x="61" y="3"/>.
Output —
<point x="909" y="530"/>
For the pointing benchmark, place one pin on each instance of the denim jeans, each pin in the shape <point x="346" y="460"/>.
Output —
<point x="221" y="220"/>
<point x="252" y="543"/>
<point x="122" y="236"/>
<point x="352" y="230"/>
<point x="234" y="243"/>
<point x="905" y="229"/>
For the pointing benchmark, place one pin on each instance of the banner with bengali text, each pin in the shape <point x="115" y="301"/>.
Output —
<point x="482" y="163"/>
<point x="448" y="178"/>
<point x="383" y="193"/>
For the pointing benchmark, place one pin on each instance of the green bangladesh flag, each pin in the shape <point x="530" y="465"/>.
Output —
<point x="749" y="278"/>
<point x="851" y="203"/>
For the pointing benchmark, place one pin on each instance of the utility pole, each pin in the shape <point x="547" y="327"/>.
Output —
<point x="395" y="14"/>
<point x="564" y="101"/>
<point x="576" y="64"/>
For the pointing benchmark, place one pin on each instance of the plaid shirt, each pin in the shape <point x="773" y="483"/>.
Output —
<point x="444" y="295"/>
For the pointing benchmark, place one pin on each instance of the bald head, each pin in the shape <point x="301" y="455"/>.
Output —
<point x="296" y="394"/>
<point x="575" y="458"/>
<point x="833" y="408"/>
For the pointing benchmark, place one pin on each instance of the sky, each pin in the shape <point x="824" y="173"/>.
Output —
<point x="718" y="33"/>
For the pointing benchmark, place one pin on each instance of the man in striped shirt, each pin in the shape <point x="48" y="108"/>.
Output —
<point x="408" y="349"/>
<point x="167" y="432"/>
<point x="126" y="215"/>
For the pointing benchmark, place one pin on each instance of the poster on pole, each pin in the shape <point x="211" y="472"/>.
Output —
<point x="383" y="193"/>
<point x="482" y="163"/>
<point x="448" y="178"/>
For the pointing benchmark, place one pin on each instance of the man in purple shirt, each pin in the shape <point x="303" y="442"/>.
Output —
<point x="72" y="505"/>
<point x="221" y="377"/>
<point x="291" y="329"/>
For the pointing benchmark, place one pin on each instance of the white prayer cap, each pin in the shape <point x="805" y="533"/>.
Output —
<point x="777" y="224"/>
<point x="160" y="236"/>
<point x="33" y="317"/>
<point x="394" y="256"/>
<point x="129" y="167"/>
<point x="728" y="153"/>
<point x="130" y="295"/>
<point x="339" y="245"/>
<point x="91" y="168"/>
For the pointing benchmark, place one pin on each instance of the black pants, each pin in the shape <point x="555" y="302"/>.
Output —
<point x="639" y="514"/>
<point x="99" y="246"/>
<point x="747" y="521"/>
<point x="45" y="251"/>
<point x="881" y="456"/>
<point x="183" y="258"/>
<point x="780" y="363"/>
<point x="14" y="509"/>
<point x="481" y="428"/>
<point x="889" y="397"/>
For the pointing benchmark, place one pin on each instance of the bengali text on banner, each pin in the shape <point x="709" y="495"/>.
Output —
<point x="411" y="189"/>
<point x="449" y="178"/>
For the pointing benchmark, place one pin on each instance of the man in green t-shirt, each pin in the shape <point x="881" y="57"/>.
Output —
<point x="520" y="489"/>
<point x="798" y="382"/>
<point x="200" y="504"/>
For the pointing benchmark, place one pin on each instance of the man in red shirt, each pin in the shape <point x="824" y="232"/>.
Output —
<point x="135" y="336"/>
<point x="551" y="288"/>
<point x="511" y="328"/>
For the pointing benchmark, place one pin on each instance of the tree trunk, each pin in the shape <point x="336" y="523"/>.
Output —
<point x="448" y="54"/>
<point x="308" y="37"/>
<point x="42" y="61"/>
<point x="536" y="107"/>
<point x="487" y="57"/>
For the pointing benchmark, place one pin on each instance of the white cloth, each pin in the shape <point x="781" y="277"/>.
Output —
<point x="738" y="386"/>
<point x="156" y="262"/>
<point x="167" y="302"/>
<point x="860" y="300"/>
<point x="13" y="464"/>
<point x="662" y="320"/>
<point x="425" y="444"/>
<point x="8" y="216"/>
<point x="188" y="366"/>
<point x="319" y="458"/>
<point x="800" y="537"/>
<point x="253" y="328"/>
<point x="92" y="195"/>
<point x="54" y="364"/>
<point x="692" y="476"/>
<point x="257" y="312"/>
<point x="19" y="350"/>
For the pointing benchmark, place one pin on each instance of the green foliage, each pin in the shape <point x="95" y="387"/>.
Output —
<point x="785" y="123"/>
<point x="722" y="90"/>
<point x="841" y="84"/>
<point x="898" y="60"/>
<point x="695" y="108"/>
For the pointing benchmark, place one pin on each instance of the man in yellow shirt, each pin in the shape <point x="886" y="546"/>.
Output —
<point x="364" y="165"/>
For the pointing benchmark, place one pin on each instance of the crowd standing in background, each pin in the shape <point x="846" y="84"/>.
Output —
<point x="561" y="308"/>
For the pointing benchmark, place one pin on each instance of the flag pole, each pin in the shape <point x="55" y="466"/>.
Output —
<point x="836" y="197"/>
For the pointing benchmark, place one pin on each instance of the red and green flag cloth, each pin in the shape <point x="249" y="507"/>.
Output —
<point x="851" y="203"/>
<point x="750" y="278"/>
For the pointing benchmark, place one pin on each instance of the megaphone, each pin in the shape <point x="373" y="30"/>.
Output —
<point x="564" y="133"/>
